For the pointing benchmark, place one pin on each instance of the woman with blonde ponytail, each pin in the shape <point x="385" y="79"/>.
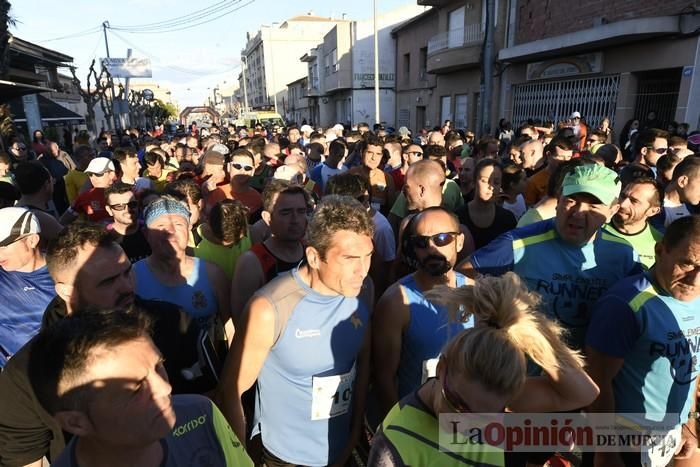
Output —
<point x="484" y="370"/>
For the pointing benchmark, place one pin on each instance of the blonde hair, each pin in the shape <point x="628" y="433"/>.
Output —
<point x="508" y="327"/>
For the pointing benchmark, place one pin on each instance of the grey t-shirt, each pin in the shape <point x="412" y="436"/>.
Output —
<point x="201" y="438"/>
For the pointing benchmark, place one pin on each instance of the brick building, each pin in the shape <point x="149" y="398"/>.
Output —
<point x="605" y="58"/>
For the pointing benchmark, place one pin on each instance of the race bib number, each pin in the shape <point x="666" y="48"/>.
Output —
<point x="331" y="395"/>
<point x="662" y="449"/>
<point x="429" y="369"/>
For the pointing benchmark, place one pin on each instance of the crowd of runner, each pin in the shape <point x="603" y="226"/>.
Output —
<point x="309" y="296"/>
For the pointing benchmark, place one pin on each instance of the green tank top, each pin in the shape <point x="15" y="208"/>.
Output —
<point x="225" y="257"/>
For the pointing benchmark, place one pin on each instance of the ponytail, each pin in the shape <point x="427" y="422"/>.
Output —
<point x="508" y="327"/>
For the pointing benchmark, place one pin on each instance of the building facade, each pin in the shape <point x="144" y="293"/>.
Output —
<point x="439" y="63"/>
<point x="621" y="60"/>
<point x="299" y="111"/>
<point x="340" y="70"/>
<point x="270" y="59"/>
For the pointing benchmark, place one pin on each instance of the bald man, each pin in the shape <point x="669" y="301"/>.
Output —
<point x="532" y="156"/>
<point x="423" y="189"/>
<point x="435" y="137"/>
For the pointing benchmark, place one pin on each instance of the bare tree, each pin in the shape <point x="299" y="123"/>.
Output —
<point x="95" y="90"/>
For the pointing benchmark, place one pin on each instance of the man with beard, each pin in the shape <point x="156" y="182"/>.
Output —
<point x="640" y="200"/>
<point x="409" y="330"/>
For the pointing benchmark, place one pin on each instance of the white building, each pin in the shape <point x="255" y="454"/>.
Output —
<point x="340" y="70"/>
<point x="271" y="58"/>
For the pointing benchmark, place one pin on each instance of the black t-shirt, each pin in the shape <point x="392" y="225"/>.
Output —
<point x="135" y="246"/>
<point x="503" y="221"/>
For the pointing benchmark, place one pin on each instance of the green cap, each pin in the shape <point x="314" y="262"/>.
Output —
<point x="594" y="179"/>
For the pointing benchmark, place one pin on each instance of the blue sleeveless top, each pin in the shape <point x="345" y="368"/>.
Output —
<point x="196" y="296"/>
<point x="428" y="331"/>
<point x="305" y="387"/>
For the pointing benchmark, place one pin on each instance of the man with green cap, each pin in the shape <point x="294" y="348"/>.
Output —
<point x="569" y="259"/>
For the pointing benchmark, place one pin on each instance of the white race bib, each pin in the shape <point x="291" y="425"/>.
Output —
<point x="331" y="395"/>
<point x="429" y="369"/>
<point x="662" y="451"/>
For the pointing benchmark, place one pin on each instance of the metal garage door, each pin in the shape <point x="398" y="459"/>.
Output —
<point x="554" y="101"/>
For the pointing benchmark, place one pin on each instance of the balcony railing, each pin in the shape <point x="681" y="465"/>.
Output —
<point x="462" y="37"/>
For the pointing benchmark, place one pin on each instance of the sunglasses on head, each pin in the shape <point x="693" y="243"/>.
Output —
<point x="122" y="206"/>
<point x="236" y="166"/>
<point x="439" y="239"/>
<point x="454" y="402"/>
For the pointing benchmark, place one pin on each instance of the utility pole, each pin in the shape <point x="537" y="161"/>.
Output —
<point x="105" y="25"/>
<point x="487" y="69"/>
<point x="244" y="61"/>
<point x="124" y="117"/>
<point x="377" y="118"/>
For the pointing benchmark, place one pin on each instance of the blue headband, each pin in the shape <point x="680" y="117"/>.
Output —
<point x="163" y="206"/>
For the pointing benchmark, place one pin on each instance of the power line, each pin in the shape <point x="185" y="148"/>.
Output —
<point x="171" y="67"/>
<point x="87" y="32"/>
<point x="176" y="19"/>
<point x="182" y="19"/>
<point x="189" y="26"/>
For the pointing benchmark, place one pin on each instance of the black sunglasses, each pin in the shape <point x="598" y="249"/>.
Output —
<point x="236" y="166"/>
<point x="439" y="240"/>
<point x="121" y="206"/>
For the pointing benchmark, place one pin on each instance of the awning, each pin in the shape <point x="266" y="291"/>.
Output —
<point x="11" y="89"/>
<point x="48" y="109"/>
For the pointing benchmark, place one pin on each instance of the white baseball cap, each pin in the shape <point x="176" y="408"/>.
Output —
<point x="100" y="165"/>
<point x="15" y="223"/>
<point x="338" y="126"/>
<point x="306" y="129"/>
<point x="576" y="114"/>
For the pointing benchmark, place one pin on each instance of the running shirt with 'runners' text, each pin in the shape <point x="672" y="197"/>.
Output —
<point x="201" y="438"/>
<point x="570" y="278"/>
<point x="659" y="339"/>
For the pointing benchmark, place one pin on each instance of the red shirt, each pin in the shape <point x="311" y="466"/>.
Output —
<point x="92" y="203"/>
<point x="251" y="198"/>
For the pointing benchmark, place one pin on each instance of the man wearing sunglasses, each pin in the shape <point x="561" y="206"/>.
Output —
<point x="241" y="168"/>
<point x="651" y="144"/>
<point x="124" y="209"/>
<point x="408" y="329"/>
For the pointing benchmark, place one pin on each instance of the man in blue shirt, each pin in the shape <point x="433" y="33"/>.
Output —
<point x="25" y="285"/>
<point x="569" y="260"/>
<point x="305" y="338"/>
<point x="642" y="345"/>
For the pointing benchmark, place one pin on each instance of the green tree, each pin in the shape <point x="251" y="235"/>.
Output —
<point x="160" y="111"/>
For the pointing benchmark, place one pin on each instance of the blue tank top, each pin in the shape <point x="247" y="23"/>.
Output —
<point x="25" y="296"/>
<point x="428" y="331"/>
<point x="304" y="400"/>
<point x="196" y="297"/>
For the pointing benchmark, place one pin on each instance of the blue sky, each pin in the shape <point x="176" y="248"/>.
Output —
<point x="188" y="61"/>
